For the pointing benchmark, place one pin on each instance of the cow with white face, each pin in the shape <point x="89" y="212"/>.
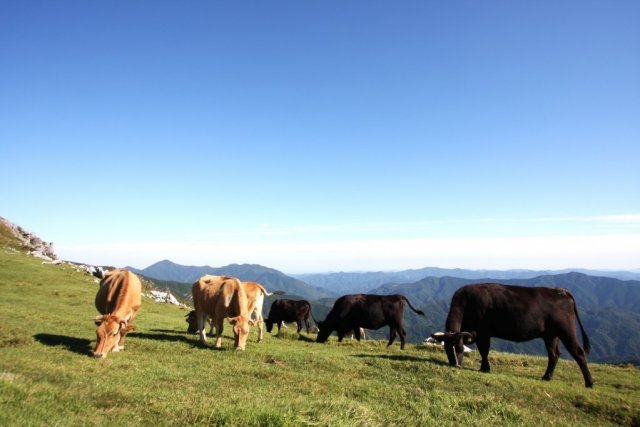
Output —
<point x="118" y="300"/>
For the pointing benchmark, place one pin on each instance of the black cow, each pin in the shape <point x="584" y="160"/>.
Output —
<point x="514" y="313"/>
<point x="287" y="310"/>
<point x="352" y="312"/>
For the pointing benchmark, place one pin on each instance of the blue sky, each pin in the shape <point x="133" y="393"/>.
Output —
<point x="324" y="136"/>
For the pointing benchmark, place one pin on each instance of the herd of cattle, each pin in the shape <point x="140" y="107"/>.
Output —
<point x="477" y="313"/>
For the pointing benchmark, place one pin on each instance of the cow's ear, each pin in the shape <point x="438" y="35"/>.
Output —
<point x="234" y="320"/>
<point x="252" y="322"/>
<point x="98" y="320"/>
<point x="468" y="337"/>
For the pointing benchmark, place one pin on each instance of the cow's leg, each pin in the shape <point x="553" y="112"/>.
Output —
<point x="279" y="326"/>
<point x="201" y="318"/>
<point x="483" y="344"/>
<point x="306" y="323"/>
<point x="341" y="335"/>
<point x="123" y="332"/>
<point x="356" y="333"/>
<point x="219" y="327"/>
<point x="392" y="335"/>
<point x="575" y="349"/>
<point x="403" y="335"/>
<point x="299" y="323"/>
<point x="553" y="351"/>
<point x="119" y="346"/>
<point x="260" y="328"/>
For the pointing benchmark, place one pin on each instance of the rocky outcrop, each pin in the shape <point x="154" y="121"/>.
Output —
<point x="164" y="297"/>
<point x="37" y="247"/>
<point x="34" y="244"/>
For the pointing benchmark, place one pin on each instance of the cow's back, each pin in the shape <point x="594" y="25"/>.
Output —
<point x="204" y="289"/>
<point x="367" y="310"/>
<point x="120" y="291"/>
<point x="516" y="313"/>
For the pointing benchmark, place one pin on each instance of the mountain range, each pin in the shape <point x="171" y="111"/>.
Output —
<point x="354" y="282"/>
<point x="268" y="277"/>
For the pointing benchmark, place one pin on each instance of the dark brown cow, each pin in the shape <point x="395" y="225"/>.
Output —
<point x="514" y="313"/>
<point x="352" y="312"/>
<point x="287" y="310"/>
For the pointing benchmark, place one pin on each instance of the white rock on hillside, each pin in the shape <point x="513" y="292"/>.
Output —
<point x="36" y="246"/>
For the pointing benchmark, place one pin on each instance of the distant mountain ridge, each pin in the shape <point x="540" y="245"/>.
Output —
<point x="356" y="282"/>
<point x="272" y="279"/>
<point x="609" y="309"/>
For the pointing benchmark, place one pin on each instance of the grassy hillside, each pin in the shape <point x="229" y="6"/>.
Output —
<point x="165" y="378"/>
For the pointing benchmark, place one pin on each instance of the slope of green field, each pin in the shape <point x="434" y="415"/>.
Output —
<point x="165" y="378"/>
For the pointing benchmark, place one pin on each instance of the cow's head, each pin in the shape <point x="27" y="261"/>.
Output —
<point x="108" y="334"/>
<point x="241" y="326"/>
<point x="269" y="324"/>
<point x="323" y="332"/>
<point x="192" y="320"/>
<point x="454" y="344"/>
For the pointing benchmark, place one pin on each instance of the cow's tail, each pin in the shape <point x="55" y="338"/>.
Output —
<point x="420" y="312"/>
<point x="313" y="317"/>
<point x="267" y="293"/>
<point x="585" y="338"/>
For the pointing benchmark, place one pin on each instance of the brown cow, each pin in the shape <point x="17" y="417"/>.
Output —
<point x="255" y="297"/>
<point x="219" y="297"/>
<point x="118" y="300"/>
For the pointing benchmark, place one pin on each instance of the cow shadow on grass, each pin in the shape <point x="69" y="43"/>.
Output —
<point x="165" y="335"/>
<point x="76" y="345"/>
<point x="404" y="358"/>
<point x="182" y="337"/>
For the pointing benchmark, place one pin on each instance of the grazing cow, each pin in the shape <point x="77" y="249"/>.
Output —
<point x="287" y="310"/>
<point x="118" y="300"/>
<point x="351" y="312"/>
<point x="219" y="297"/>
<point x="255" y="298"/>
<point x="255" y="294"/>
<point x="514" y="313"/>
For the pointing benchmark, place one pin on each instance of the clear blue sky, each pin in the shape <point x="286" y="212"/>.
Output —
<point x="325" y="135"/>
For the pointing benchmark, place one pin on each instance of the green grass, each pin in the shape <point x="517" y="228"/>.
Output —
<point x="165" y="378"/>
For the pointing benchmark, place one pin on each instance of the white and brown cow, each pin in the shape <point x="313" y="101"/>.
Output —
<point x="118" y="300"/>
<point x="255" y="295"/>
<point x="219" y="297"/>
